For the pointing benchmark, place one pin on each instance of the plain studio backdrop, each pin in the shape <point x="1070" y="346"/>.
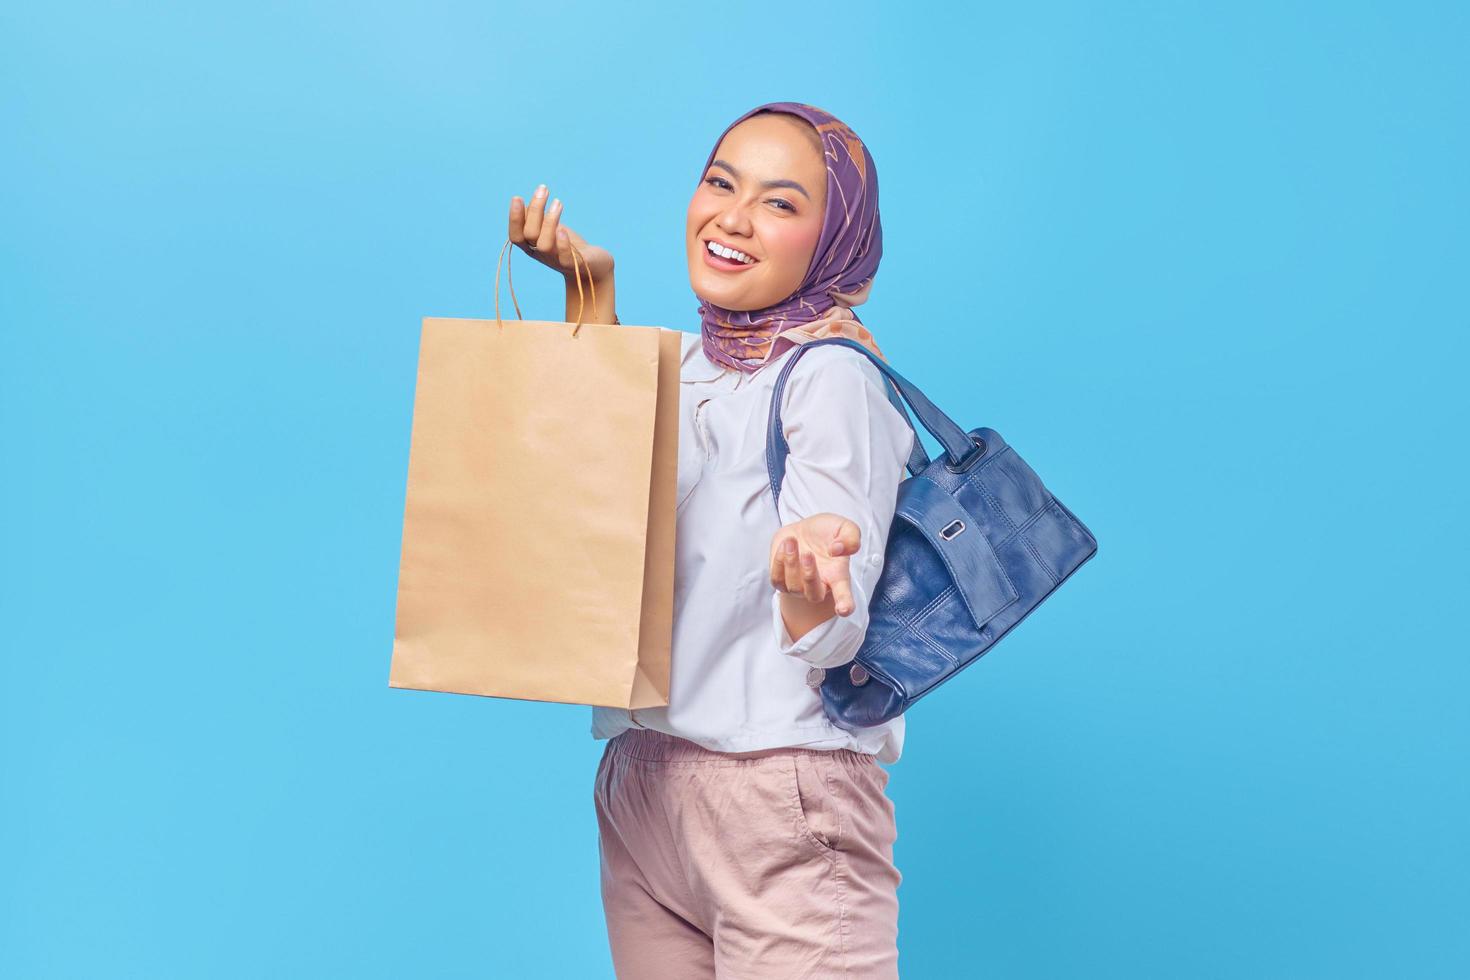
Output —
<point x="1202" y="264"/>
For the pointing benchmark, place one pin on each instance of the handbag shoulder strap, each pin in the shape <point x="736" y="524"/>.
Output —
<point x="918" y="458"/>
<point x="957" y="444"/>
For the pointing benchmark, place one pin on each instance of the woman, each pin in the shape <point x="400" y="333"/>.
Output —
<point x="741" y="832"/>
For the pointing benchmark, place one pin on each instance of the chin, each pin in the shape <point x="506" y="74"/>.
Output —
<point x="737" y="303"/>
<point x="711" y="292"/>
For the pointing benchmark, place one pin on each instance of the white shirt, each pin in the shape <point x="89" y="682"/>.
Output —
<point x="737" y="681"/>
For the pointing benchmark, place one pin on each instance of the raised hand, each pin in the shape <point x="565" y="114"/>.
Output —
<point x="810" y="557"/>
<point x="537" y="230"/>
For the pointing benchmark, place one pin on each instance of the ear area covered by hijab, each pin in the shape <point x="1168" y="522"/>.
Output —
<point x="842" y="268"/>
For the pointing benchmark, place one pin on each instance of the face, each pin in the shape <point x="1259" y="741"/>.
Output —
<point x="764" y="195"/>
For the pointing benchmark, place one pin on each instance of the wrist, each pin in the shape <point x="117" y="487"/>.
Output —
<point x="603" y="310"/>
<point x="802" y="616"/>
<point x="600" y="281"/>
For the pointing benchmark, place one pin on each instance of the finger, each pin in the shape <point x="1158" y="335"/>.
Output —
<point x="792" y="567"/>
<point x="813" y="587"/>
<point x="778" y="563"/>
<point x="546" y="240"/>
<point x="517" y="219"/>
<point x="846" y="539"/>
<point x="842" y="594"/>
<point x="535" y="214"/>
<point x="564" y="253"/>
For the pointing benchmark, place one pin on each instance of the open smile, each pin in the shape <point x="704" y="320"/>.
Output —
<point x="719" y="256"/>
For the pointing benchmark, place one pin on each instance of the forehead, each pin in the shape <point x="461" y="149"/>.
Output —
<point x="775" y="145"/>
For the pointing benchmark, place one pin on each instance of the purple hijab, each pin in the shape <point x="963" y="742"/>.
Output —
<point x="842" y="268"/>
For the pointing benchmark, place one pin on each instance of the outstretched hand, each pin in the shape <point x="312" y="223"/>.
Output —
<point x="810" y="558"/>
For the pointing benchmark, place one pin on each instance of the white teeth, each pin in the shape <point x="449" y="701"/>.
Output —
<point x="730" y="253"/>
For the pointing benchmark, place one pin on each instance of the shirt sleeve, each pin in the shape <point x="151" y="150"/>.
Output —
<point x="848" y="449"/>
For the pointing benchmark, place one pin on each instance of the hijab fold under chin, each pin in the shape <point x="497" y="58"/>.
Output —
<point x="842" y="268"/>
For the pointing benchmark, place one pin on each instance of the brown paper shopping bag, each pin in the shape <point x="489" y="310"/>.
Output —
<point x="538" y="530"/>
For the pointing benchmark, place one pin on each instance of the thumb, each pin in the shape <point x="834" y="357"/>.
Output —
<point x="846" y="538"/>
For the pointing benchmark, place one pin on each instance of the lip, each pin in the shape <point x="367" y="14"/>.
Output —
<point x="727" y="245"/>
<point x="723" y="265"/>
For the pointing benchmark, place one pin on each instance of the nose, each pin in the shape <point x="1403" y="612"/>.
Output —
<point x="734" y="221"/>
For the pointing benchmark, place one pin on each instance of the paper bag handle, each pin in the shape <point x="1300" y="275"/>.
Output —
<point x="581" y="299"/>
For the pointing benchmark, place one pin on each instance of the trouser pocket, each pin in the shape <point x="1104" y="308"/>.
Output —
<point x="816" y="789"/>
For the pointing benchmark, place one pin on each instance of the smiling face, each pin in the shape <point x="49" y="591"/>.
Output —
<point x="764" y="195"/>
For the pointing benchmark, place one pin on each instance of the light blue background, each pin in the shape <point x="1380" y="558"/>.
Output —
<point x="1204" y="265"/>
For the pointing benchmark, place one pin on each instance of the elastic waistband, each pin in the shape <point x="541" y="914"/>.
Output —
<point x="651" y="745"/>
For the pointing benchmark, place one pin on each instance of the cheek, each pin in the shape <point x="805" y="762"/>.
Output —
<point x="793" y="243"/>
<point x="702" y="209"/>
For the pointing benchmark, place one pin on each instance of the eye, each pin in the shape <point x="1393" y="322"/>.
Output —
<point x="723" y="184"/>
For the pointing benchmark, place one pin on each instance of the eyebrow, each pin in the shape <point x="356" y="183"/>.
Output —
<point x="765" y="183"/>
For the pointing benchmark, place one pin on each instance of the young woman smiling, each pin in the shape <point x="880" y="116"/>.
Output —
<point x="740" y="831"/>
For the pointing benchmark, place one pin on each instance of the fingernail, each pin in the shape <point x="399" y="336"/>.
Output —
<point x="540" y="189"/>
<point x="789" y="546"/>
<point x="837" y="548"/>
<point x="556" y="204"/>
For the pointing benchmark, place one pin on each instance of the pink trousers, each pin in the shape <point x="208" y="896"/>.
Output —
<point x="770" y="865"/>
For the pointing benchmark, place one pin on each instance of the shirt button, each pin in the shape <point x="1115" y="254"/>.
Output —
<point x="815" y="676"/>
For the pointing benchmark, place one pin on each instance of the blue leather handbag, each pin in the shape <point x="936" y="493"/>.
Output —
<point x="977" y="543"/>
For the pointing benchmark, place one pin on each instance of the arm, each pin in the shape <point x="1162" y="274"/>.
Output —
<point x="848" y="447"/>
<point x="603" y="311"/>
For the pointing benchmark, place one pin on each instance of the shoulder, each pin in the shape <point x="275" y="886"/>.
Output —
<point x="833" y="372"/>
<point x="837" y="406"/>
<point x="689" y="345"/>
<point x="693" y="364"/>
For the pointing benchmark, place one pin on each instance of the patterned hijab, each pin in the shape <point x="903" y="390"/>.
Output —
<point x="842" y="268"/>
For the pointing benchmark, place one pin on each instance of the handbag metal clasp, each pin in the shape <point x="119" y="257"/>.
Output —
<point x="951" y="529"/>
